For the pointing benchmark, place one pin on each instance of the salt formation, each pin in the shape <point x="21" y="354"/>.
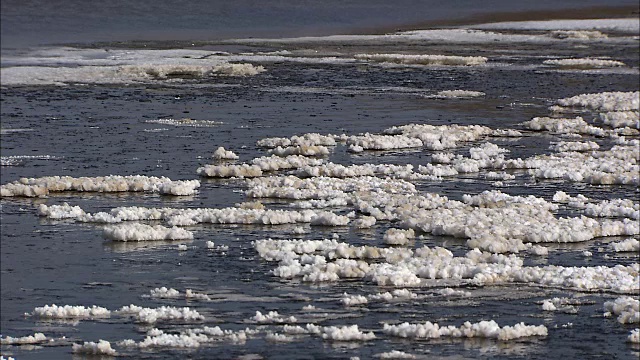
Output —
<point x="309" y="139"/>
<point x="166" y="71"/>
<point x="456" y="94"/>
<point x="272" y="317"/>
<point x="222" y="154"/>
<point x="395" y="295"/>
<point x="189" y="338"/>
<point x="383" y="142"/>
<point x="634" y="336"/>
<point x="626" y="307"/>
<point x="275" y="162"/>
<point x="304" y="150"/>
<point x="482" y="329"/>
<point x="102" y="347"/>
<point x="275" y="337"/>
<point x="31" y="187"/>
<point x="621" y="119"/>
<point x="586" y="63"/>
<point x="227" y="171"/>
<point x="70" y="312"/>
<point x="353" y="300"/>
<point x="364" y="222"/>
<point x="605" y="101"/>
<point x="441" y="137"/>
<point x="563" y="126"/>
<point x="345" y="333"/>
<point x="395" y="354"/>
<point x="142" y="232"/>
<point x="574" y="146"/>
<point x="627" y="245"/>
<point x="36" y="338"/>
<point x="398" y="236"/>
<point x="164" y="293"/>
<point x="560" y="304"/>
<point x="151" y="316"/>
<point x="424" y="59"/>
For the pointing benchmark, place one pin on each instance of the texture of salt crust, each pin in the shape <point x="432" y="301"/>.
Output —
<point x="455" y="94"/>
<point x="440" y="137"/>
<point x="42" y="186"/>
<point x="621" y="119"/>
<point x="329" y="260"/>
<point x="272" y="317"/>
<point x="158" y="71"/>
<point x="383" y="142"/>
<point x="626" y="307"/>
<point x="574" y="146"/>
<point x="278" y="337"/>
<point x="364" y="222"/>
<point x="353" y="300"/>
<point x="189" y="338"/>
<point x="482" y="329"/>
<point x="563" y="126"/>
<point x="498" y="176"/>
<point x="559" y="304"/>
<point x="24" y="340"/>
<point x="453" y="292"/>
<point x="398" y="236"/>
<point x="192" y="295"/>
<point x="397" y="294"/>
<point x="304" y="150"/>
<point x="70" y="312"/>
<point x="102" y="347"/>
<point x="143" y="232"/>
<point x="627" y="245"/>
<point x="605" y="101"/>
<point x="164" y="293"/>
<point x="185" y="122"/>
<point x="613" y="208"/>
<point x="423" y="59"/>
<point x="151" y="316"/>
<point x="586" y="63"/>
<point x="227" y="171"/>
<point x="395" y="354"/>
<point x="345" y="333"/>
<point x="275" y="163"/>
<point x="309" y="139"/>
<point x="634" y="336"/>
<point x="625" y="25"/>
<point x="222" y="154"/>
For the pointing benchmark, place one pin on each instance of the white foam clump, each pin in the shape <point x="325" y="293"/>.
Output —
<point x="70" y="312"/>
<point x="36" y="338"/>
<point x="626" y="307"/>
<point x="136" y="183"/>
<point x="166" y="71"/>
<point x="364" y="222"/>
<point x="275" y="162"/>
<point x="397" y="294"/>
<point x="395" y="354"/>
<point x="164" y="293"/>
<point x="458" y="94"/>
<point x="559" y="304"/>
<point x="482" y="329"/>
<point x="272" y="317"/>
<point x="192" y="295"/>
<point x="151" y="316"/>
<point x="605" y="101"/>
<point x="309" y="139"/>
<point x="584" y="63"/>
<point x="628" y="245"/>
<point x="227" y="171"/>
<point x="102" y="347"/>
<point x="576" y="125"/>
<point x="222" y="154"/>
<point x="143" y="232"/>
<point x="188" y="339"/>
<point x="621" y="119"/>
<point x="369" y="141"/>
<point x="453" y="292"/>
<point x="304" y="150"/>
<point x="398" y="236"/>
<point x="634" y="336"/>
<point x="441" y="137"/>
<point x="346" y="333"/>
<point x="275" y="337"/>
<point x="210" y="244"/>
<point x="613" y="208"/>
<point x="575" y="146"/>
<point x="492" y="175"/>
<point x="424" y="59"/>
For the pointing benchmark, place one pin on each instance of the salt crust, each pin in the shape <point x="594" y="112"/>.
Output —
<point x="482" y="329"/>
<point x="143" y="232"/>
<point x="222" y="154"/>
<point x="621" y="119"/>
<point x="151" y="316"/>
<point x="626" y="307"/>
<point x="189" y="338"/>
<point x="424" y="59"/>
<point x="102" y="347"/>
<point x="441" y="137"/>
<point x="36" y="338"/>
<point x="398" y="236"/>
<point x="330" y="260"/>
<point x="166" y="71"/>
<point x="628" y="245"/>
<point x="185" y="217"/>
<point x="457" y="94"/>
<point x="634" y="336"/>
<point x="574" y="146"/>
<point x="560" y="304"/>
<point x="272" y="317"/>
<point x="586" y="63"/>
<point x="304" y="150"/>
<point x="257" y="166"/>
<point x="70" y="312"/>
<point x="345" y="333"/>
<point x="309" y="139"/>
<point x="32" y="187"/>
<point x="605" y="101"/>
<point x="395" y="354"/>
<point x="395" y="295"/>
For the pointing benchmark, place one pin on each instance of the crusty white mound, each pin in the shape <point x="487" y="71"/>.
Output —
<point x="102" y="347"/>
<point x="584" y="63"/>
<point x="70" y="312"/>
<point x="151" y="315"/>
<point x="143" y="232"/>
<point x="626" y="307"/>
<point x="483" y="329"/>
<point x="36" y="338"/>
<point x="223" y="154"/>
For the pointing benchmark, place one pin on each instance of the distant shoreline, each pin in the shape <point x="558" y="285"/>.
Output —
<point x="598" y="12"/>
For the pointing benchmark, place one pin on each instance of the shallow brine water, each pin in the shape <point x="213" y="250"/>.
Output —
<point x="514" y="210"/>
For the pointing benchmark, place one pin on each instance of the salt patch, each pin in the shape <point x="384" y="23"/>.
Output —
<point x="621" y="119"/>
<point x="576" y="125"/>
<point x="164" y="293"/>
<point x="272" y="317"/>
<point x="398" y="236"/>
<point x="275" y="337"/>
<point x="345" y="333"/>
<point x="628" y="245"/>
<point x="143" y="232"/>
<point x="383" y="142"/>
<point x="275" y="162"/>
<point x="458" y="94"/>
<point x="605" y="101"/>
<point x="634" y="336"/>
<point x="222" y="154"/>
<point x="227" y="171"/>
<point x="482" y="329"/>
<point x="70" y="312"/>
<point x="395" y="354"/>
<point x="424" y="59"/>
<point x="36" y="338"/>
<point x="210" y="244"/>
<point x="586" y="63"/>
<point x="309" y="139"/>
<point x="575" y="146"/>
<point x="304" y="150"/>
<point x="353" y="300"/>
<point x="626" y="307"/>
<point x="441" y="137"/>
<point x="364" y="222"/>
<point x="578" y="34"/>
<point x="166" y="71"/>
<point x="151" y="316"/>
<point x="102" y="347"/>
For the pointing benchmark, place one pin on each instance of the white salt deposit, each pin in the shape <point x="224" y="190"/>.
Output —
<point x="458" y="94"/>
<point x="560" y="304"/>
<point x="626" y="307"/>
<point x="227" y="171"/>
<point x="383" y="142"/>
<point x="151" y="316"/>
<point x="143" y="232"/>
<point x="137" y="183"/>
<point x="345" y="333"/>
<point x="605" y="101"/>
<point x="395" y="354"/>
<point x="398" y="236"/>
<point x="574" y="146"/>
<point x="309" y="139"/>
<point x="482" y="329"/>
<point x="210" y="244"/>
<point x="102" y="347"/>
<point x="628" y="245"/>
<point x="192" y="295"/>
<point x="441" y="137"/>
<point x="272" y="317"/>
<point x="275" y="337"/>
<point x="36" y="338"/>
<point x="585" y="63"/>
<point x="222" y="154"/>
<point x="634" y="336"/>
<point x="424" y="59"/>
<point x="275" y="162"/>
<point x="353" y="300"/>
<point x="164" y="293"/>
<point x="304" y="150"/>
<point x="70" y="312"/>
<point x="563" y="126"/>
<point x="364" y="222"/>
<point x="621" y="119"/>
